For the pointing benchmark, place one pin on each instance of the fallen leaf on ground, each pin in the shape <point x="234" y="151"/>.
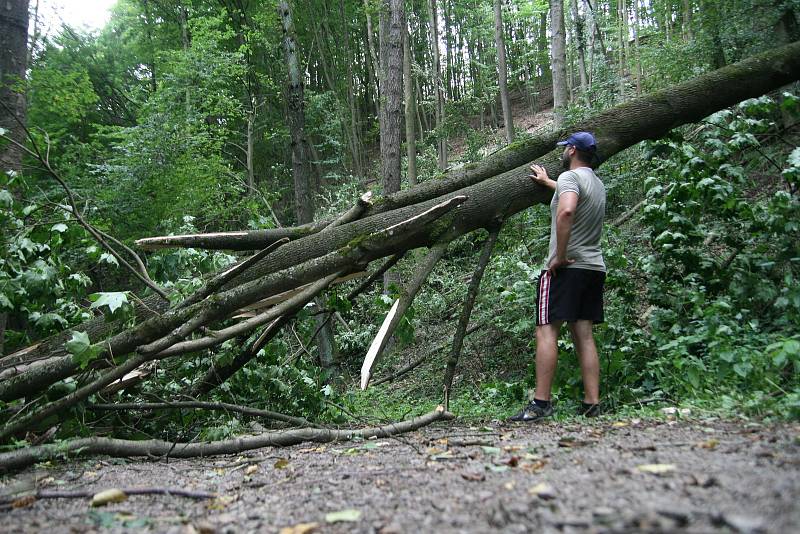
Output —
<point x="543" y="490"/>
<point x="312" y="449"/>
<point x="23" y="502"/>
<point x="300" y="528"/>
<point x="108" y="496"/>
<point x="282" y="463"/>
<point x="619" y="424"/>
<point x="571" y="442"/>
<point x="251" y="469"/>
<point x="473" y="477"/>
<point x="709" y="444"/>
<point x="348" y="515"/>
<point x="497" y="468"/>
<point x="490" y="450"/>
<point x="444" y="455"/>
<point x="220" y="502"/>
<point x="513" y="461"/>
<point x="656" y="469"/>
<point x="510" y="485"/>
<point x="533" y="467"/>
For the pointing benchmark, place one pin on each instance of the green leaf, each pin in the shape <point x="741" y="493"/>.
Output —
<point x="79" y="343"/>
<point x="59" y="227"/>
<point x="108" y="258"/>
<point x="6" y="200"/>
<point x="114" y="300"/>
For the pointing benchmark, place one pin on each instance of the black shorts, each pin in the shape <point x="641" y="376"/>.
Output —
<point x="571" y="295"/>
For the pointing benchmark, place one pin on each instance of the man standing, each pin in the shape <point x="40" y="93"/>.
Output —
<point x="571" y="284"/>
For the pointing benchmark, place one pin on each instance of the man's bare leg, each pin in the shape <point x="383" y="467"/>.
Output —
<point x="546" y="358"/>
<point x="583" y="339"/>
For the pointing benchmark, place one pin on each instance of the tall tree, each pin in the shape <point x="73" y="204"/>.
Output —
<point x="13" y="60"/>
<point x="580" y="45"/>
<point x="301" y="166"/>
<point x="410" y="110"/>
<point x="559" y="60"/>
<point x="392" y="26"/>
<point x="301" y="162"/>
<point x="508" y="119"/>
<point x="437" y="80"/>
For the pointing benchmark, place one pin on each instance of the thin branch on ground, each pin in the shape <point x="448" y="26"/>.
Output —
<point x="200" y="405"/>
<point x="27" y="456"/>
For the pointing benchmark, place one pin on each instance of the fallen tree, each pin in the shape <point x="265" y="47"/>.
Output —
<point x="432" y="213"/>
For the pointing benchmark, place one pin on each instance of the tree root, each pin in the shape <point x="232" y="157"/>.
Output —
<point x="21" y="458"/>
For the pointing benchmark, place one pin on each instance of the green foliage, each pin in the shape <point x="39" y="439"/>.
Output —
<point x="82" y="350"/>
<point x="42" y="281"/>
<point x="721" y="280"/>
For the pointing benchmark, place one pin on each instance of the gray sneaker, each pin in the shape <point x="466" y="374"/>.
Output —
<point x="532" y="412"/>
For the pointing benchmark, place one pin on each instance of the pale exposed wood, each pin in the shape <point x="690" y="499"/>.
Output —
<point x="258" y="307"/>
<point x="399" y="307"/>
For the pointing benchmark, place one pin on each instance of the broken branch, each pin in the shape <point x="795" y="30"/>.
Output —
<point x="399" y="307"/>
<point x="24" y="457"/>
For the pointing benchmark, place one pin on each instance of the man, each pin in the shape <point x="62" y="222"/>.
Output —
<point x="571" y="284"/>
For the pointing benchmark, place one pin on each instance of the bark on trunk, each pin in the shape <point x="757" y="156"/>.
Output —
<point x="410" y="111"/>
<point x="13" y="56"/>
<point x="301" y="166"/>
<point x="559" y="60"/>
<point x="580" y="44"/>
<point x="508" y="119"/>
<point x="437" y="80"/>
<point x="391" y="42"/>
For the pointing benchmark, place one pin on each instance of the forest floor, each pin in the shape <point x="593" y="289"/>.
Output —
<point x="581" y="476"/>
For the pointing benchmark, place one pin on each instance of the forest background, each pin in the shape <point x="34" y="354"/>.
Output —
<point x="177" y="117"/>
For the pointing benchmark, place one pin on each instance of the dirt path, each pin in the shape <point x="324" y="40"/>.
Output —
<point x="718" y="477"/>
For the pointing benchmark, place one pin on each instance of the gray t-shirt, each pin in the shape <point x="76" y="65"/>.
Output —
<point x="584" y="239"/>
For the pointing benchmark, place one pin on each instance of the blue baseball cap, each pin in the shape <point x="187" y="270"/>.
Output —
<point x="582" y="141"/>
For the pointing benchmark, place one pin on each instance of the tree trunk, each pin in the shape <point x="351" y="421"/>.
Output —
<point x="148" y="31"/>
<point x="580" y="45"/>
<point x="410" y="110"/>
<point x="13" y="59"/>
<point x="391" y="40"/>
<point x="373" y="56"/>
<point x="437" y="80"/>
<point x="542" y="48"/>
<point x="355" y="137"/>
<point x="636" y="54"/>
<point x="508" y="119"/>
<point x="688" y="34"/>
<point x="495" y="189"/>
<point x="559" y="60"/>
<point x="622" y="39"/>
<point x="301" y="165"/>
<point x="711" y="24"/>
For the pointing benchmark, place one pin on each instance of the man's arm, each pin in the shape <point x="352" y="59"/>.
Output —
<point x="565" y="216"/>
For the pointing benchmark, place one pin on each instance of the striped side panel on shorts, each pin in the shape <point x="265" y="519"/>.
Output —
<point x="544" y="298"/>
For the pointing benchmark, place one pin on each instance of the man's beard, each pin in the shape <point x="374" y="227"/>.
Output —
<point x="565" y="161"/>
